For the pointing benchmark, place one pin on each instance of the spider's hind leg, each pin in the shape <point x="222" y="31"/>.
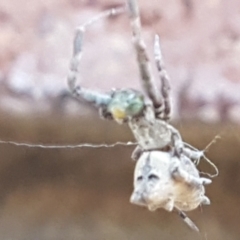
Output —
<point x="187" y="220"/>
<point x="163" y="112"/>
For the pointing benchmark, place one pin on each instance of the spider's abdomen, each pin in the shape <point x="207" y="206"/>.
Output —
<point x="186" y="199"/>
<point x="164" y="181"/>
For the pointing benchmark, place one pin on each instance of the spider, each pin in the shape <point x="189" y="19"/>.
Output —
<point x="165" y="177"/>
<point x="162" y="181"/>
<point x="148" y="116"/>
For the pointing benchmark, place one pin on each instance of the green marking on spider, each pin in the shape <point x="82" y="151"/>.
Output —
<point x="125" y="104"/>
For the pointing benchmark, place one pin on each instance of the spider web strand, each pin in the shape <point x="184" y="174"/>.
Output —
<point x="82" y="145"/>
<point x="207" y="159"/>
<point x="105" y="14"/>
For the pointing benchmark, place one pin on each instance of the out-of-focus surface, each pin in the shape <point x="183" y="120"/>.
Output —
<point x="84" y="193"/>
<point x="200" y="42"/>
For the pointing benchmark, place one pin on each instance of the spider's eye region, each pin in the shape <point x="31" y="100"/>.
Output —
<point x="153" y="177"/>
<point x="125" y="104"/>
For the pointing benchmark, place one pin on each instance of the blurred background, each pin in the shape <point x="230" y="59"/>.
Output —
<point x="84" y="193"/>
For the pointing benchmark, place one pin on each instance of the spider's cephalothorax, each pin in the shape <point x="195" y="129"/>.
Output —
<point x="125" y="104"/>
<point x="151" y="133"/>
<point x="162" y="181"/>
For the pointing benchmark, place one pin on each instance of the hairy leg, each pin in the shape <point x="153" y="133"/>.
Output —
<point x="179" y="147"/>
<point x="187" y="220"/>
<point x="164" y="111"/>
<point x="137" y="152"/>
<point x="176" y="141"/>
<point x="205" y="200"/>
<point x="142" y="56"/>
<point x="182" y="176"/>
<point x="96" y="98"/>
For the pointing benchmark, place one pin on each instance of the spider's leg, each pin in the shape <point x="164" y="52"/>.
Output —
<point x="79" y="92"/>
<point x="187" y="220"/>
<point x="137" y="152"/>
<point x="179" y="147"/>
<point x="163" y="112"/>
<point x="205" y="200"/>
<point x="194" y="155"/>
<point x="181" y="175"/>
<point x="76" y="90"/>
<point x="142" y="57"/>
<point x="176" y="141"/>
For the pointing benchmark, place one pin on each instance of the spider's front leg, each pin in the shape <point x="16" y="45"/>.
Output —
<point x="164" y="111"/>
<point x="99" y="99"/>
<point x="142" y="56"/>
<point x="79" y="92"/>
<point x="161" y="102"/>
